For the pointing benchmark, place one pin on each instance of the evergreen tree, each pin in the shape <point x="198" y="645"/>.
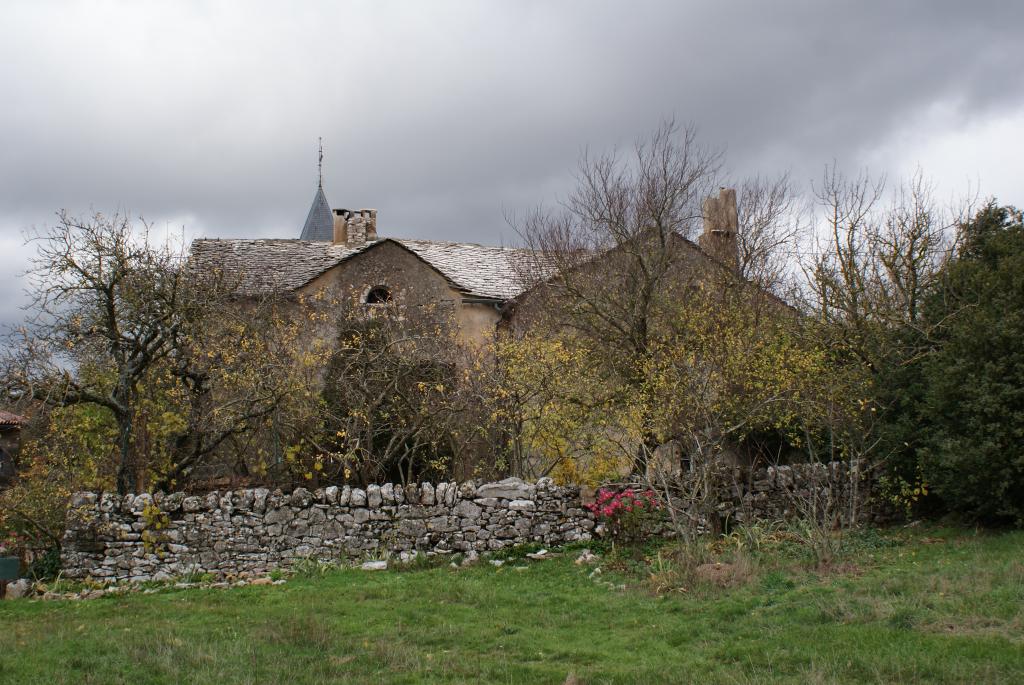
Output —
<point x="971" y="385"/>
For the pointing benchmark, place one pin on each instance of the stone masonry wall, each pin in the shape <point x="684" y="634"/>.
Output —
<point x="780" y="493"/>
<point x="776" y="492"/>
<point x="154" y="537"/>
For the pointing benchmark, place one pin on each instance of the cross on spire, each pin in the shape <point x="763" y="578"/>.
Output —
<point x="319" y="222"/>
<point x="320" y="164"/>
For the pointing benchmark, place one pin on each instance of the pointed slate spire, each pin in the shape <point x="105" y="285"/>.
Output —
<point x="320" y="221"/>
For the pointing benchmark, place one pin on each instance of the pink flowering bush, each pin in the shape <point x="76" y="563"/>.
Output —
<point x="629" y="515"/>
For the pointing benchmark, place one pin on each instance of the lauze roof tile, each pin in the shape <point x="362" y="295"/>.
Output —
<point x="279" y="265"/>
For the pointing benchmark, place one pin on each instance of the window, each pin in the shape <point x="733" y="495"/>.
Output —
<point x="378" y="295"/>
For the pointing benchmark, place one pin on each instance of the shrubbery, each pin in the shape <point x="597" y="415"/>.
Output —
<point x="629" y="516"/>
<point x="972" y="404"/>
<point x="954" y="423"/>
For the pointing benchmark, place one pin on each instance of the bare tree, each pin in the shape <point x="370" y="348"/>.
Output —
<point x="395" y="393"/>
<point x="108" y="303"/>
<point x="876" y="258"/>
<point x="770" y="224"/>
<point x="120" y="320"/>
<point x="632" y="212"/>
<point x="737" y="384"/>
<point x="243" y="363"/>
<point x="871" y="264"/>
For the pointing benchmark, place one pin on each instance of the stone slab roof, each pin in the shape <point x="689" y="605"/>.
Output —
<point x="478" y="270"/>
<point x="280" y="265"/>
<point x="268" y="266"/>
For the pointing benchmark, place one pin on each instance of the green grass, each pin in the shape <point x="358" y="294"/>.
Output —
<point x="941" y="606"/>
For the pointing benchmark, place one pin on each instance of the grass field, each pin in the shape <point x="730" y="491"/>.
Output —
<point x="933" y="605"/>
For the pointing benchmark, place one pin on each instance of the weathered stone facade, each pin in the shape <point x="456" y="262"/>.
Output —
<point x="144" y="537"/>
<point x="415" y="286"/>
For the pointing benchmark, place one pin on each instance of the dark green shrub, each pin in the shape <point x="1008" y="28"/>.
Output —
<point x="972" y="384"/>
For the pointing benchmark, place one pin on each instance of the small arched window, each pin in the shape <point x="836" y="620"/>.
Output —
<point x="378" y="295"/>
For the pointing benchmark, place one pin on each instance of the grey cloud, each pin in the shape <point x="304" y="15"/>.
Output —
<point x="443" y="115"/>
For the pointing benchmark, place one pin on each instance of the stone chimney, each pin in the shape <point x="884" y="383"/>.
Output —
<point x="721" y="225"/>
<point x="355" y="228"/>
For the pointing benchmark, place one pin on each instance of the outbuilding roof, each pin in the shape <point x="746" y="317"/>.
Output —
<point x="9" y="420"/>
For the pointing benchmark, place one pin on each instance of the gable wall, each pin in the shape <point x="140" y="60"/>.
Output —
<point x="690" y="268"/>
<point x="412" y="282"/>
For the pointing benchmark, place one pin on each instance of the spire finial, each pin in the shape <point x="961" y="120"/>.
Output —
<point x="320" y="164"/>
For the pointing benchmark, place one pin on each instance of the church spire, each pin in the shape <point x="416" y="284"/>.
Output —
<point x="319" y="222"/>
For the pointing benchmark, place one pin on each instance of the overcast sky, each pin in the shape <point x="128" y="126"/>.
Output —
<point x="446" y="115"/>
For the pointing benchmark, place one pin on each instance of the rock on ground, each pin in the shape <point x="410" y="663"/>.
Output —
<point x="19" y="588"/>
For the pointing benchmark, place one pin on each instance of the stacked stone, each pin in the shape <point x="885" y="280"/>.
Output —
<point x="773" y="493"/>
<point x="769" y="493"/>
<point x="251" y="532"/>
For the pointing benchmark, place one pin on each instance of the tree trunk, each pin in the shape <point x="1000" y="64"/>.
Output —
<point x="644" y="452"/>
<point x="126" y="481"/>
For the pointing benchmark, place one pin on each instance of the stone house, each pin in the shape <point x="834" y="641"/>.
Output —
<point x="712" y="260"/>
<point x="483" y="288"/>
<point x="340" y="251"/>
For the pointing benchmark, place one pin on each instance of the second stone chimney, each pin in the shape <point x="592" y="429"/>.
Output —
<point x="355" y="228"/>
<point x="721" y="228"/>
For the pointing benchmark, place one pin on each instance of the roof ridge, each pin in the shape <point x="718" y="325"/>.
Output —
<point x="379" y="239"/>
<point x="467" y="244"/>
<point x="487" y="271"/>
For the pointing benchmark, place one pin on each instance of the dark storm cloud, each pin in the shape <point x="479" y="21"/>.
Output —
<point x="444" y="115"/>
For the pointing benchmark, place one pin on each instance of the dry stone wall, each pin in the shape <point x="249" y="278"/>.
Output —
<point x="251" y="532"/>
<point x="779" y="493"/>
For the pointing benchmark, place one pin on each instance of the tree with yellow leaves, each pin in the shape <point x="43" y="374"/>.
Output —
<point x="174" y="361"/>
